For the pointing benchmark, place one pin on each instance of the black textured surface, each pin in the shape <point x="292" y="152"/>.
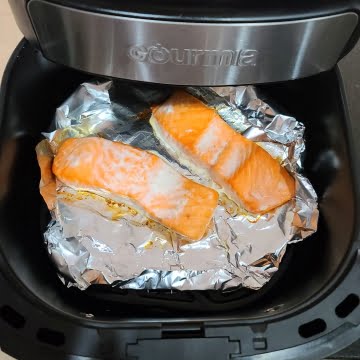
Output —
<point x="351" y="70"/>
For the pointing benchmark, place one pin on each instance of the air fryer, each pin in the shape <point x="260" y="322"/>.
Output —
<point x="302" y="58"/>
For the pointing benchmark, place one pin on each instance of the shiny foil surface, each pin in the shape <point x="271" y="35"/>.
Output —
<point x="95" y="241"/>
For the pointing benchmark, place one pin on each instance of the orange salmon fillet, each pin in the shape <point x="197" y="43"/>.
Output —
<point x="47" y="181"/>
<point x="119" y="170"/>
<point x="246" y="173"/>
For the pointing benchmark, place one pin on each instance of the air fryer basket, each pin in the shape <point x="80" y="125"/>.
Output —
<point x="313" y="298"/>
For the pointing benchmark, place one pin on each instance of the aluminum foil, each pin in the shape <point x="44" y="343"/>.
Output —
<point x="94" y="241"/>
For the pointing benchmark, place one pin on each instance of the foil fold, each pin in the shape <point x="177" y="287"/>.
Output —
<point x="94" y="241"/>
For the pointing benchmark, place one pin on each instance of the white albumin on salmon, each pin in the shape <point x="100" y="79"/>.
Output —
<point x="242" y="169"/>
<point x="116" y="170"/>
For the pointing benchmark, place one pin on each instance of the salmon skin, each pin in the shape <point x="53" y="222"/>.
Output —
<point x="245" y="172"/>
<point x="117" y="171"/>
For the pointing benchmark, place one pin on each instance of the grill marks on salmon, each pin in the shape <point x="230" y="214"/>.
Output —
<point x="115" y="170"/>
<point x="247" y="173"/>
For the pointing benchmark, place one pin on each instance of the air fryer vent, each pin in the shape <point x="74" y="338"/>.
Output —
<point x="51" y="337"/>
<point x="347" y="306"/>
<point x="312" y="328"/>
<point x="12" y="317"/>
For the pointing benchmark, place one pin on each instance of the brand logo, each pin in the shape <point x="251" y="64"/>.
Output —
<point x="158" y="54"/>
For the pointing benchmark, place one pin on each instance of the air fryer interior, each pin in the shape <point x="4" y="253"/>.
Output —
<point x="31" y="91"/>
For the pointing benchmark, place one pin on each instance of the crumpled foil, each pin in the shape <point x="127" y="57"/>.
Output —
<point x="92" y="241"/>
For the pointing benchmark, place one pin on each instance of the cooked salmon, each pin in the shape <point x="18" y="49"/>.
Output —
<point x="47" y="181"/>
<point x="244" y="171"/>
<point x="116" y="170"/>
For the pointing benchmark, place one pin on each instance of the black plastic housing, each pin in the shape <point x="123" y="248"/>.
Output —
<point x="312" y="303"/>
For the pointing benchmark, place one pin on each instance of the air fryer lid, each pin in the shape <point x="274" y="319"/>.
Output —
<point x="178" y="44"/>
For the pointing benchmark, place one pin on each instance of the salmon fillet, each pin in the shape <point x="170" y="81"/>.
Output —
<point x="47" y="181"/>
<point x="116" y="170"/>
<point x="246" y="173"/>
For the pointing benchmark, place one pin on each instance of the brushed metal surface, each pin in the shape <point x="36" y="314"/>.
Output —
<point x="189" y="53"/>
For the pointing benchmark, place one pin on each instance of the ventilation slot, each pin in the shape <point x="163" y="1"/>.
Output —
<point x="188" y="332"/>
<point x="347" y="306"/>
<point x="12" y="317"/>
<point x="51" y="337"/>
<point x="312" y="328"/>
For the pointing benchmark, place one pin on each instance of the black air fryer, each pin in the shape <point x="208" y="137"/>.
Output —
<point x="301" y="54"/>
